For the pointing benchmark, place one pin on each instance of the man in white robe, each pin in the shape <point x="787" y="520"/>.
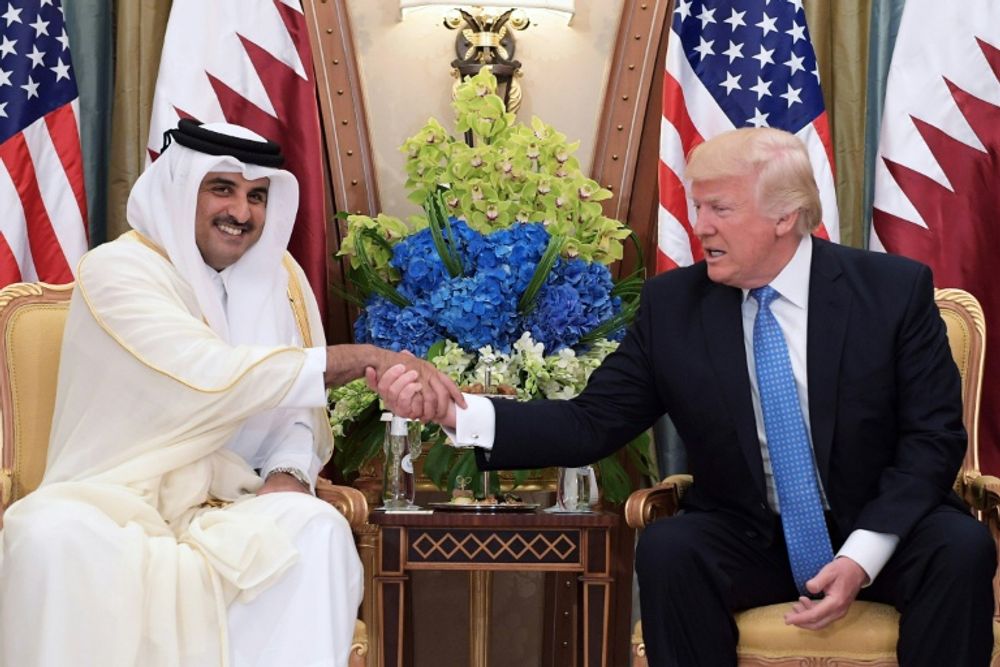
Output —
<point x="175" y="524"/>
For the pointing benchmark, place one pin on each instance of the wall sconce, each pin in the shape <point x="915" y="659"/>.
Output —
<point x="486" y="36"/>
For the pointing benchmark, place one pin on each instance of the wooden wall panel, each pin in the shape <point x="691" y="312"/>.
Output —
<point x="627" y="147"/>
<point x="350" y="166"/>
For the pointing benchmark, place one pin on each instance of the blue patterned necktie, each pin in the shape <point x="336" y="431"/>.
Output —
<point x="806" y="536"/>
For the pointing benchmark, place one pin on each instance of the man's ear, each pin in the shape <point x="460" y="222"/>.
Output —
<point x="786" y="223"/>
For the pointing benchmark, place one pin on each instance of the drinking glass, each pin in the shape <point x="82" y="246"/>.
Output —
<point x="576" y="490"/>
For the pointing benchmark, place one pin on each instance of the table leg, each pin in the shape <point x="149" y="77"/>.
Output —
<point x="391" y="605"/>
<point x="480" y="600"/>
<point x="596" y="612"/>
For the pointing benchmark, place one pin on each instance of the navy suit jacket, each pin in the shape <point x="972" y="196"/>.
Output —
<point x="884" y="394"/>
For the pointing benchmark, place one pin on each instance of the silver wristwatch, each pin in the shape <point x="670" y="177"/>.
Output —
<point x="299" y="476"/>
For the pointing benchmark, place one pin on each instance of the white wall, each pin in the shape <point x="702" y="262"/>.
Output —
<point x="406" y="74"/>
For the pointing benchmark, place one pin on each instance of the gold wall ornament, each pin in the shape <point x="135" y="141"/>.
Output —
<point x="486" y="35"/>
<point x="486" y="39"/>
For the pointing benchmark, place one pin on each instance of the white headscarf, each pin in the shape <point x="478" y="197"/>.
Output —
<point x="162" y="207"/>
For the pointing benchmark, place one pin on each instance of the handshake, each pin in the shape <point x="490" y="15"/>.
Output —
<point x="410" y="387"/>
<point x="415" y="389"/>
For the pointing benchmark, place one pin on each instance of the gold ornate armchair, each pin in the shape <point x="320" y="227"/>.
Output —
<point x="32" y="319"/>
<point x="867" y="635"/>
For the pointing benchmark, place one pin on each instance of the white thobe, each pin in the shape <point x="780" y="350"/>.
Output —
<point x="116" y="560"/>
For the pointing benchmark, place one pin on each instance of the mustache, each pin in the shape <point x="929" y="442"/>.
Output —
<point x="226" y="219"/>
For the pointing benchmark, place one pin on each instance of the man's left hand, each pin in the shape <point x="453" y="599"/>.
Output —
<point x="839" y="581"/>
<point x="281" y="481"/>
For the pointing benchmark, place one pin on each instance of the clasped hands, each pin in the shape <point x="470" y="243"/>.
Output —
<point x="416" y="389"/>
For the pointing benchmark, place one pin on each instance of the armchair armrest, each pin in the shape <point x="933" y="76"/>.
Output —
<point x="646" y="505"/>
<point x="359" y="644"/>
<point x="981" y="492"/>
<point x="349" y="501"/>
<point x="6" y="487"/>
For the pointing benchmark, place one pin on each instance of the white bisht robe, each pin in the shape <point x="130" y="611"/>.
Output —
<point x="144" y="545"/>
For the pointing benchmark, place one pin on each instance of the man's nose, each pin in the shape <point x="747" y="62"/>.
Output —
<point x="702" y="225"/>
<point x="239" y="208"/>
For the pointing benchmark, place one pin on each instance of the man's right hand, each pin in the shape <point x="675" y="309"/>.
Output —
<point x="414" y="388"/>
<point x="402" y="390"/>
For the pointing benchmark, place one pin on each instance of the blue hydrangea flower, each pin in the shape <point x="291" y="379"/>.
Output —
<point x="480" y="307"/>
<point x="385" y="324"/>
<point x="575" y="299"/>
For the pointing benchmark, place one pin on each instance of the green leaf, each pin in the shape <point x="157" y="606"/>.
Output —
<point x="347" y="296"/>
<point x="375" y="282"/>
<point x="545" y="264"/>
<point x="437" y="219"/>
<point x="377" y="239"/>
<point x="640" y="260"/>
<point x="612" y="324"/>
<point x="630" y="283"/>
<point x="366" y="441"/>
<point x="437" y="463"/>
<point x="435" y="350"/>
<point x="640" y="452"/>
<point x="465" y="466"/>
<point x="614" y="480"/>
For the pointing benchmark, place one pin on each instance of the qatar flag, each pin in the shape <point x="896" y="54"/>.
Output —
<point x="250" y="64"/>
<point x="937" y="173"/>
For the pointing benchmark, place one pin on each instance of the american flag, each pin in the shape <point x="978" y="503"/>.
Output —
<point x="43" y="208"/>
<point x="734" y="64"/>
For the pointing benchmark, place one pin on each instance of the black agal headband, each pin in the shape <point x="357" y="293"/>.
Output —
<point x="191" y="134"/>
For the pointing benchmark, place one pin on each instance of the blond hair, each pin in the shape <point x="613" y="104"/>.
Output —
<point x="778" y="159"/>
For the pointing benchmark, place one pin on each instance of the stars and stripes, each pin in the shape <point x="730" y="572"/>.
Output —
<point x="736" y="64"/>
<point x="43" y="210"/>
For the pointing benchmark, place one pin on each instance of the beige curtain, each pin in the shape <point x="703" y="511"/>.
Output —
<point x="139" y="26"/>
<point x="839" y="31"/>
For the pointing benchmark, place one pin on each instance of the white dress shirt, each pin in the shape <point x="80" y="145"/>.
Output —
<point x="281" y="437"/>
<point x="868" y="549"/>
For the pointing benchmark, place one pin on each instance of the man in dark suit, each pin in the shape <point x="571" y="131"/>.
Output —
<point x="812" y="385"/>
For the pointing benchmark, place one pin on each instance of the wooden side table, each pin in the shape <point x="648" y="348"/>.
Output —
<point x="482" y="543"/>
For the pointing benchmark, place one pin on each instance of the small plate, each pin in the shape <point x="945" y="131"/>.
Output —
<point x="478" y="507"/>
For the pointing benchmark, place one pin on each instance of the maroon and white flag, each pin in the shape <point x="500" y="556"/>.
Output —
<point x="937" y="174"/>
<point x="249" y="63"/>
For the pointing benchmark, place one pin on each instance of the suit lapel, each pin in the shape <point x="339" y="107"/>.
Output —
<point x="829" y="307"/>
<point x="723" y="323"/>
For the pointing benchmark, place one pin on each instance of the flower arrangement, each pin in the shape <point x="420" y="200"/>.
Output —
<point x="503" y="281"/>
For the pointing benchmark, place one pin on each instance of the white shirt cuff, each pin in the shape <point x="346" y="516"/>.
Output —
<point x="870" y="550"/>
<point x="308" y="390"/>
<point x="475" y="426"/>
<point x="295" y="451"/>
